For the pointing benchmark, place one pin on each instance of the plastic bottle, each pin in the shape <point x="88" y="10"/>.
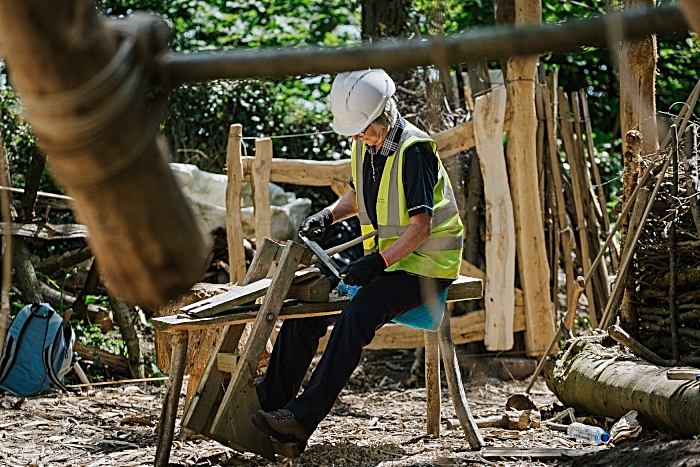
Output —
<point x="590" y="434"/>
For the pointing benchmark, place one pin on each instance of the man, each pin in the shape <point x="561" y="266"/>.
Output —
<point x="399" y="188"/>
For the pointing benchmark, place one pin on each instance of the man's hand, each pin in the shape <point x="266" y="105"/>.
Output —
<point x="362" y="271"/>
<point x="313" y="226"/>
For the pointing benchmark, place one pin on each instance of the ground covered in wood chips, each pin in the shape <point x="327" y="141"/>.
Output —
<point x="378" y="420"/>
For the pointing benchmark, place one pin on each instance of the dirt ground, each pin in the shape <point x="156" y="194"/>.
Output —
<point x="377" y="421"/>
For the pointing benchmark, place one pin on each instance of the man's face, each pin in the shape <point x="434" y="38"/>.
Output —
<point x="371" y="136"/>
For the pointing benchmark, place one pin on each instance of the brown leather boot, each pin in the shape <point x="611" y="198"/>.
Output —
<point x="281" y="425"/>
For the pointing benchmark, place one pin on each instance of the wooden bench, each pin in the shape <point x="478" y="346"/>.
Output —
<point x="225" y="415"/>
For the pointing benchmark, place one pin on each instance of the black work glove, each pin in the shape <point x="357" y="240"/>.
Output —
<point x="362" y="271"/>
<point x="313" y="226"/>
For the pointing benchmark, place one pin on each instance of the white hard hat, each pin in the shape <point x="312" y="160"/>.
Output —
<point x="357" y="98"/>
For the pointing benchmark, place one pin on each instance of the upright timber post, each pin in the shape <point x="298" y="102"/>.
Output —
<point x="638" y="86"/>
<point x="432" y="381"/>
<point x="261" y="187"/>
<point x="234" y="225"/>
<point x="522" y="166"/>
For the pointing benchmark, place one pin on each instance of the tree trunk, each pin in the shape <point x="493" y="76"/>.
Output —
<point x="637" y="86"/>
<point x="384" y="18"/>
<point x="586" y="378"/>
<point x="126" y="328"/>
<point x="522" y="167"/>
<point x="103" y="148"/>
<point x="91" y="282"/>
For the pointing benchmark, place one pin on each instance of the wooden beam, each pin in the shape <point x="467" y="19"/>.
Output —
<point x="47" y="231"/>
<point x="455" y="140"/>
<point x="691" y="11"/>
<point x="489" y="114"/>
<point x="466" y="328"/>
<point x="234" y="223"/>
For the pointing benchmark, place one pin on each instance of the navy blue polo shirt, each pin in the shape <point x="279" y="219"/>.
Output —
<point x="420" y="173"/>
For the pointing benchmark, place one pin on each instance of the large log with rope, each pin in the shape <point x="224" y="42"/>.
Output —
<point x="85" y="94"/>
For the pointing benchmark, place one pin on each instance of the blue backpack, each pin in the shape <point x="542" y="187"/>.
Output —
<point x="38" y="352"/>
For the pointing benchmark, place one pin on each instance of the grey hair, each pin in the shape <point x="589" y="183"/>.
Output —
<point x="387" y="117"/>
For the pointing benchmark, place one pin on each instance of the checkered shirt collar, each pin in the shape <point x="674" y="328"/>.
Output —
<point x="391" y="143"/>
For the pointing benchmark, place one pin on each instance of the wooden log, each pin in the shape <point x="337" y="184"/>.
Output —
<point x="304" y="172"/>
<point x="106" y="157"/>
<point x="261" y="187"/>
<point x="46" y="231"/>
<point x="234" y="223"/>
<point x="455" y="140"/>
<point x="5" y="210"/>
<point x="543" y="454"/>
<point x="500" y="227"/>
<point x="24" y="272"/>
<point x="522" y="168"/>
<point x="67" y="260"/>
<point x="44" y="200"/>
<point x="119" y="363"/>
<point x="453" y="375"/>
<point x="166" y="423"/>
<point x="692" y="171"/>
<point x="623" y="385"/>
<point x="432" y="382"/>
<point x="570" y="145"/>
<point x="80" y="308"/>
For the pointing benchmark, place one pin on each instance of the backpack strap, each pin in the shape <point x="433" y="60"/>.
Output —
<point x="48" y="366"/>
<point x="10" y="354"/>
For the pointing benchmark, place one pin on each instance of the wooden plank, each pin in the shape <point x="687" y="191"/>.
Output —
<point x="466" y="328"/>
<point x="304" y="172"/>
<point x="268" y="251"/>
<point x="464" y="288"/>
<point x="489" y="114"/>
<point x="533" y="453"/>
<point x="455" y="140"/>
<point x="570" y="147"/>
<point x="166" y="423"/>
<point x="46" y="231"/>
<point x="241" y="295"/>
<point x="261" y="187"/>
<point x="260" y="333"/>
<point x="234" y="223"/>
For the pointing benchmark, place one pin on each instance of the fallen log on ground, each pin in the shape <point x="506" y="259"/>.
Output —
<point x="119" y="363"/>
<point x="595" y="376"/>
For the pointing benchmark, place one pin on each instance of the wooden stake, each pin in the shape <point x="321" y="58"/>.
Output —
<point x="166" y="424"/>
<point x="673" y="309"/>
<point x="454" y="382"/>
<point x="432" y="381"/>
<point x="234" y="224"/>
<point x="567" y="134"/>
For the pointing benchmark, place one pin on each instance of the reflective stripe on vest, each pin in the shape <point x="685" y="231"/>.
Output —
<point x="392" y="215"/>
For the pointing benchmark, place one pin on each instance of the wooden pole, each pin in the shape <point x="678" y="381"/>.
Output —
<point x="166" y="424"/>
<point x="454" y="382"/>
<point x="397" y="55"/>
<point x="95" y="123"/>
<point x="568" y="137"/>
<point x="261" y="187"/>
<point x="692" y="172"/>
<point x="234" y="186"/>
<point x="672" y="306"/>
<point x="499" y="297"/>
<point x="432" y="381"/>
<point x="522" y="168"/>
<point x="691" y="10"/>
<point x="564" y="228"/>
<point x="5" y="203"/>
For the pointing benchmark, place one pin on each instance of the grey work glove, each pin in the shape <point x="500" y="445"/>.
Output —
<point x="313" y="226"/>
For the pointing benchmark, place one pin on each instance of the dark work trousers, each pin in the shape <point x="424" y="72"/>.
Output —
<point x="389" y="295"/>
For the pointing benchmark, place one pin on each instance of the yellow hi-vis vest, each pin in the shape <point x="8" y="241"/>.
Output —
<point x="440" y="255"/>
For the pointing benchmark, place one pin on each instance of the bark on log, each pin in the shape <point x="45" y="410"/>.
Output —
<point x="118" y="363"/>
<point x="90" y="113"/>
<point x="65" y="261"/>
<point x="691" y="11"/>
<point x="585" y="377"/>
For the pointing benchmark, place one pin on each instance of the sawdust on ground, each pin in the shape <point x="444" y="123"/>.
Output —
<point x="376" y="421"/>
